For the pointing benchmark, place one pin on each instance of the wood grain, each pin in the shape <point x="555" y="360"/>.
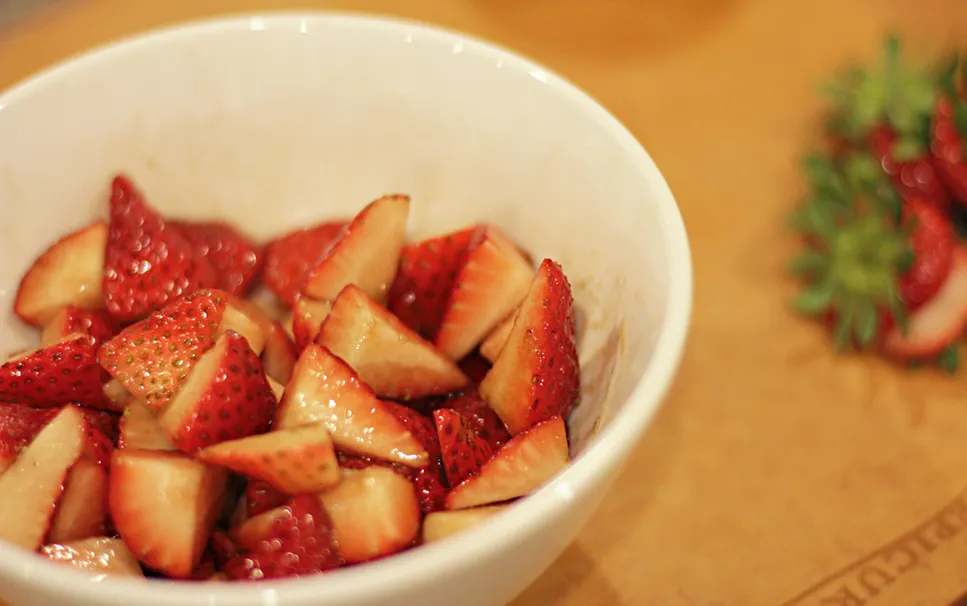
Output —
<point x="773" y="464"/>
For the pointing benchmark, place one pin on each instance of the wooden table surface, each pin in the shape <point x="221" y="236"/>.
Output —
<point x="773" y="463"/>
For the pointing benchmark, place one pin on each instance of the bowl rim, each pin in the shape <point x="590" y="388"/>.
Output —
<point x="606" y="455"/>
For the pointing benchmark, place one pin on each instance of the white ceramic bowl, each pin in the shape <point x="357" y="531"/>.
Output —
<point x="278" y="121"/>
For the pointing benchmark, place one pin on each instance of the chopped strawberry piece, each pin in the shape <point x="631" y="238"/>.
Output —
<point x="164" y="505"/>
<point x="20" y="424"/>
<point x="420" y="426"/>
<point x="261" y="496"/>
<point x="278" y="353"/>
<point x="488" y="287"/>
<point x="60" y="373"/>
<point x="71" y="319"/>
<point x="938" y="323"/>
<point x="101" y="555"/>
<point x="374" y="513"/>
<point x="294" y="461"/>
<point x="393" y="360"/>
<point x="527" y="462"/>
<point x="442" y="524"/>
<point x="300" y="541"/>
<point x="236" y="259"/>
<point x="289" y="258"/>
<point x="462" y="451"/>
<point x="485" y="423"/>
<point x="153" y="358"/>
<point x="69" y="272"/>
<point x="307" y="318"/>
<point x="324" y="389"/>
<point x="236" y="320"/>
<point x="367" y="253"/>
<point x="427" y="481"/>
<point x="139" y="429"/>
<point x="536" y="375"/>
<point x="495" y="341"/>
<point x="82" y="510"/>
<point x="427" y="271"/>
<point x="226" y="397"/>
<point x="33" y="485"/>
<point x="147" y="264"/>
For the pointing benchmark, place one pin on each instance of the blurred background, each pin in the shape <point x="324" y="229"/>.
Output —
<point x="722" y="93"/>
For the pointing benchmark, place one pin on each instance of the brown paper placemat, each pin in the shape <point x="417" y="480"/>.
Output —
<point x="776" y="474"/>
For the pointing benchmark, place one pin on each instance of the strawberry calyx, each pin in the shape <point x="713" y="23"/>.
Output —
<point x="858" y="249"/>
<point x="893" y="92"/>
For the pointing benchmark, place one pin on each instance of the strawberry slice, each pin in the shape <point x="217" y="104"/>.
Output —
<point x="427" y="271"/>
<point x="325" y="390"/>
<point x="487" y="288"/>
<point x="289" y="258"/>
<point x="147" y="264"/>
<point x="226" y="397"/>
<point x="308" y="316"/>
<point x="294" y="461"/>
<point x="527" y="462"/>
<point x="152" y="359"/>
<point x="299" y="541"/>
<point x="536" y="375"/>
<point x="82" y="511"/>
<point x="20" y="424"/>
<point x="100" y="555"/>
<point x="462" y="451"/>
<point x="236" y="259"/>
<point x="236" y="320"/>
<point x="69" y="272"/>
<point x="139" y="429"/>
<point x="35" y="482"/>
<point x="261" y="496"/>
<point x="277" y="351"/>
<point x="257" y="528"/>
<point x="164" y="505"/>
<point x="72" y="319"/>
<point x="60" y="373"/>
<point x="442" y="524"/>
<point x="483" y="420"/>
<point x="374" y="513"/>
<point x="939" y="322"/>
<point x="495" y="341"/>
<point x="367" y="254"/>
<point x="393" y="360"/>
<point x="427" y="481"/>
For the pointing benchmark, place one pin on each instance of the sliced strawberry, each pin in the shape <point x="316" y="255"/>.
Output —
<point x="148" y="264"/>
<point x="100" y="555"/>
<point x="295" y="461"/>
<point x="226" y="397"/>
<point x="527" y="462"/>
<point x="393" y="360"/>
<point x="236" y="259"/>
<point x="536" y="375"/>
<point x="485" y="423"/>
<point x="487" y="288"/>
<point x="33" y="485"/>
<point x="307" y="318"/>
<point x="933" y="244"/>
<point x="69" y="272"/>
<point x="278" y="352"/>
<point x="257" y="528"/>
<point x="223" y="548"/>
<point x="152" y="359"/>
<point x="20" y="424"/>
<point x="289" y="258"/>
<point x="71" y="319"/>
<point x="947" y="146"/>
<point x="117" y="394"/>
<point x="63" y="372"/>
<point x="495" y="341"/>
<point x="426" y="274"/>
<point x="427" y="481"/>
<point x="367" y="254"/>
<point x="139" y="429"/>
<point x="261" y="496"/>
<point x="374" y="513"/>
<point x="300" y="541"/>
<point x="325" y="390"/>
<point x="915" y="178"/>
<point x="82" y="510"/>
<point x="236" y="320"/>
<point x="164" y="505"/>
<point x="442" y="524"/>
<point x="939" y="322"/>
<point x="420" y="426"/>
<point x="476" y="367"/>
<point x="462" y="451"/>
<point x="278" y="390"/>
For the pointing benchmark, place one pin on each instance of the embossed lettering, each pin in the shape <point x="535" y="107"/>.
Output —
<point x="844" y="597"/>
<point x="873" y="580"/>
<point x="902" y="557"/>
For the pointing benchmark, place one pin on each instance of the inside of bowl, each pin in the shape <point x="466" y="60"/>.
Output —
<point x="300" y="121"/>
